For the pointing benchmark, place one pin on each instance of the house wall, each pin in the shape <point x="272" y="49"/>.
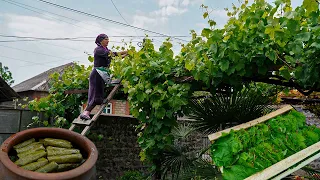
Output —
<point x="119" y="107"/>
<point x="33" y="94"/>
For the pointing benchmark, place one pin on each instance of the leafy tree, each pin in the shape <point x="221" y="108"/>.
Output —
<point x="6" y="75"/>
<point x="273" y="44"/>
<point x="63" y="108"/>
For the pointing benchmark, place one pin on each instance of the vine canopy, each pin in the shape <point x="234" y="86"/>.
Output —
<point x="261" y="42"/>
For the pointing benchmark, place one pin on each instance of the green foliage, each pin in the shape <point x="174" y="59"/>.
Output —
<point x="133" y="175"/>
<point x="63" y="107"/>
<point x="6" y="75"/>
<point x="154" y="97"/>
<point x="260" y="42"/>
<point x="256" y="41"/>
<point x="245" y="152"/>
<point x="181" y="161"/>
<point x="225" y="110"/>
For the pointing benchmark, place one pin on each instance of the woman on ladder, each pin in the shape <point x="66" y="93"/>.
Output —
<point x="99" y="75"/>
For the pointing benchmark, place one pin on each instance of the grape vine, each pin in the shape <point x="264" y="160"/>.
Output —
<point x="274" y="44"/>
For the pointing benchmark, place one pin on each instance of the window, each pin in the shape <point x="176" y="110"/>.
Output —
<point x="108" y="109"/>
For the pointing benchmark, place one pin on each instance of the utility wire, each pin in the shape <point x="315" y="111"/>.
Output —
<point x="39" y="53"/>
<point x="105" y="19"/>
<point x="19" y="5"/>
<point x="79" y="40"/>
<point x="34" y="63"/>
<point x="85" y="37"/>
<point x="119" y="12"/>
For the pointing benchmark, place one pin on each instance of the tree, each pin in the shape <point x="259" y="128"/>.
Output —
<point x="273" y="44"/>
<point x="63" y="108"/>
<point x="6" y="75"/>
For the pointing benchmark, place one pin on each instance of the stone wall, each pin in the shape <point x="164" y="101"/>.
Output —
<point x="119" y="150"/>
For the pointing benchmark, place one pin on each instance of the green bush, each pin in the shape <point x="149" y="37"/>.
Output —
<point x="132" y="175"/>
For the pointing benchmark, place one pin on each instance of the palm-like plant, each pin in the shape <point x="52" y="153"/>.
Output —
<point x="220" y="111"/>
<point x="180" y="161"/>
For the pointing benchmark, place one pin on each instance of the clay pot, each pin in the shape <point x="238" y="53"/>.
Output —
<point x="10" y="171"/>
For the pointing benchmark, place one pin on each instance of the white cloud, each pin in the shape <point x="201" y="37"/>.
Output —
<point x="142" y="21"/>
<point x="168" y="2"/>
<point x="162" y="3"/>
<point x="185" y="2"/>
<point x="166" y="9"/>
<point x="37" y="26"/>
<point x="169" y="11"/>
<point x="218" y="14"/>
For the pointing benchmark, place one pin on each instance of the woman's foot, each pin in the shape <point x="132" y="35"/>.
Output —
<point x="85" y="115"/>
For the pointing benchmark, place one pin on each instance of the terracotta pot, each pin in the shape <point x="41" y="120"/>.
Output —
<point x="10" y="171"/>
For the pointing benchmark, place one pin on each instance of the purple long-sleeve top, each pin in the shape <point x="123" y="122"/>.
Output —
<point x="102" y="57"/>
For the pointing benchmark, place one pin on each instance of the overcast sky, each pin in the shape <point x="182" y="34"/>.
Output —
<point x="32" y="18"/>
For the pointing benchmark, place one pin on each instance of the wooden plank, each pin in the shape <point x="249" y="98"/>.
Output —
<point x="81" y="122"/>
<point x="216" y="135"/>
<point x="294" y="169"/>
<point x="285" y="164"/>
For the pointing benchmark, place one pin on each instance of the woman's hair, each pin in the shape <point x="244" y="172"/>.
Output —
<point x="99" y="38"/>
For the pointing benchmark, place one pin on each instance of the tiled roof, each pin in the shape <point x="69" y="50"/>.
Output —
<point x="39" y="82"/>
<point x="6" y="92"/>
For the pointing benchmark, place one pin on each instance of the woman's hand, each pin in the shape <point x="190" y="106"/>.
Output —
<point x="124" y="53"/>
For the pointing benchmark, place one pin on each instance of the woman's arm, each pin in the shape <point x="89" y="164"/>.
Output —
<point x="122" y="53"/>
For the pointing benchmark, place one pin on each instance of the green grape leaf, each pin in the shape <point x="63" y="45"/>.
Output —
<point x="310" y="5"/>
<point x="224" y="65"/>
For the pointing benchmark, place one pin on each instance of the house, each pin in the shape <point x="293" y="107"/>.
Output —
<point x="38" y="86"/>
<point x="7" y="95"/>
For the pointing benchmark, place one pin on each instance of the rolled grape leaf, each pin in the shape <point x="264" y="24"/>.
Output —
<point x="55" y="151"/>
<point x="28" y="147"/>
<point x="36" y="165"/>
<point x="26" y="153"/>
<point x="66" y="167"/>
<point x="42" y="159"/>
<point x="57" y="142"/>
<point x="31" y="158"/>
<point x="52" y="166"/>
<point x="71" y="158"/>
<point x="23" y="144"/>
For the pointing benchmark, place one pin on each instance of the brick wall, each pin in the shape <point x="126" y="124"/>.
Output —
<point x="119" y="107"/>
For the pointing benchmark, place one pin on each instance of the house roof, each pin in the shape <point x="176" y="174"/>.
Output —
<point x="41" y="81"/>
<point x="6" y="92"/>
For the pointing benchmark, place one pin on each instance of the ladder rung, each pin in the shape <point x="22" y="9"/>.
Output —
<point x="81" y="122"/>
<point x="115" y="81"/>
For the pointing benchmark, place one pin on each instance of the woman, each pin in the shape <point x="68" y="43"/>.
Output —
<point x="102" y="60"/>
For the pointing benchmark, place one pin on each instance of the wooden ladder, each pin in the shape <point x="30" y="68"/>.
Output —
<point x="89" y="123"/>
